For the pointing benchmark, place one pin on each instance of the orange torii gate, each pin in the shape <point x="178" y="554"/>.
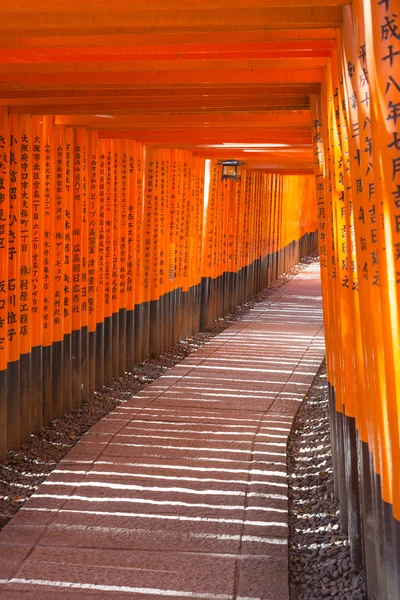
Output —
<point x="118" y="237"/>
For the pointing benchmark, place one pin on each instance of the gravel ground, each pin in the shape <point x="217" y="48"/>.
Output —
<point x="319" y="555"/>
<point x="23" y="471"/>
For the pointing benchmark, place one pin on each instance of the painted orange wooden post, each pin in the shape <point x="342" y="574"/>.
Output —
<point x="180" y="235"/>
<point x="274" y="194"/>
<point x="220" y="229"/>
<point x="263" y="228"/>
<point x="259" y="228"/>
<point x="77" y="221"/>
<point x="223" y="217"/>
<point x="58" y="241"/>
<point x="131" y="218"/>
<point x="68" y="267"/>
<point x="217" y="242"/>
<point x="168" y="224"/>
<point x="101" y="264"/>
<point x="237" y="241"/>
<point x="151" y="247"/>
<point x="328" y="238"/>
<point x="177" y="234"/>
<point x="194" y="225"/>
<point x="190" y="246"/>
<point x="275" y="202"/>
<point x="361" y="171"/>
<point x="139" y="252"/>
<point x="13" y="285"/>
<point x="245" y="224"/>
<point x="85" y="160"/>
<point x="204" y="266"/>
<point x="383" y="48"/>
<point x="280" y="225"/>
<point x="267" y="224"/>
<point x="361" y="184"/>
<point x="47" y="181"/>
<point x="162" y="282"/>
<point x="184" y="242"/>
<point x="251" y="230"/>
<point x="333" y="265"/>
<point x="4" y="238"/>
<point x="123" y="199"/>
<point x="269" y="233"/>
<point x="199" y="231"/>
<point x="288" y="220"/>
<point x="268" y="218"/>
<point x="279" y="228"/>
<point x="344" y="340"/>
<point x="230" y="215"/>
<point x="25" y="290"/>
<point x="198" y="235"/>
<point x="163" y="251"/>
<point x="194" y="316"/>
<point x="331" y="294"/>
<point x="343" y="236"/>
<point x="163" y="291"/>
<point x="37" y="276"/>
<point x="115" y="254"/>
<point x="272" y="227"/>
<point x="241" y="227"/>
<point x="178" y="240"/>
<point x="93" y="250"/>
<point x="148" y="245"/>
<point x="108" y="259"/>
<point x="217" y="245"/>
<point x="172" y="245"/>
<point x="214" y="231"/>
<point x="287" y="190"/>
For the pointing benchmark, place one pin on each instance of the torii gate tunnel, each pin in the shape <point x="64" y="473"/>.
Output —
<point x="118" y="237"/>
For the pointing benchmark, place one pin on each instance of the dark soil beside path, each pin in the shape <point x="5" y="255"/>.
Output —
<point x="23" y="470"/>
<point x="319" y="555"/>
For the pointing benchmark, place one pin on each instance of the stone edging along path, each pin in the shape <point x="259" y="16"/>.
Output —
<point x="181" y="491"/>
<point x="320" y="564"/>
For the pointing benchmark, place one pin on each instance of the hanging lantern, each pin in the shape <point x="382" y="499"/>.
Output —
<point x="231" y="169"/>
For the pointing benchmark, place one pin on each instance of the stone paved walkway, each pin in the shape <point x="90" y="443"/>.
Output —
<point x="181" y="491"/>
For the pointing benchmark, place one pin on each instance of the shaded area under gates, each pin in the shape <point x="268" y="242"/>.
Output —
<point x="181" y="492"/>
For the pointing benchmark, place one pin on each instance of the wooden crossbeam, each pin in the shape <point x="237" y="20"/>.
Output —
<point x="305" y="169"/>
<point x="106" y="78"/>
<point x="44" y="40"/>
<point x="169" y="52"/>
<point x="167" y="91"/>
<point x="275" y="157"/>
<point x="193" y="137"/>
<point x="115" y="106"/>
<point x="65" y="6"/>
<point x="17" y="23"/>
<point x="93" y="69"/>
<point x="256" y="120"/>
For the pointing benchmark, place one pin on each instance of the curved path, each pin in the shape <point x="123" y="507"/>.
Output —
<point x="181" y="491"/>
